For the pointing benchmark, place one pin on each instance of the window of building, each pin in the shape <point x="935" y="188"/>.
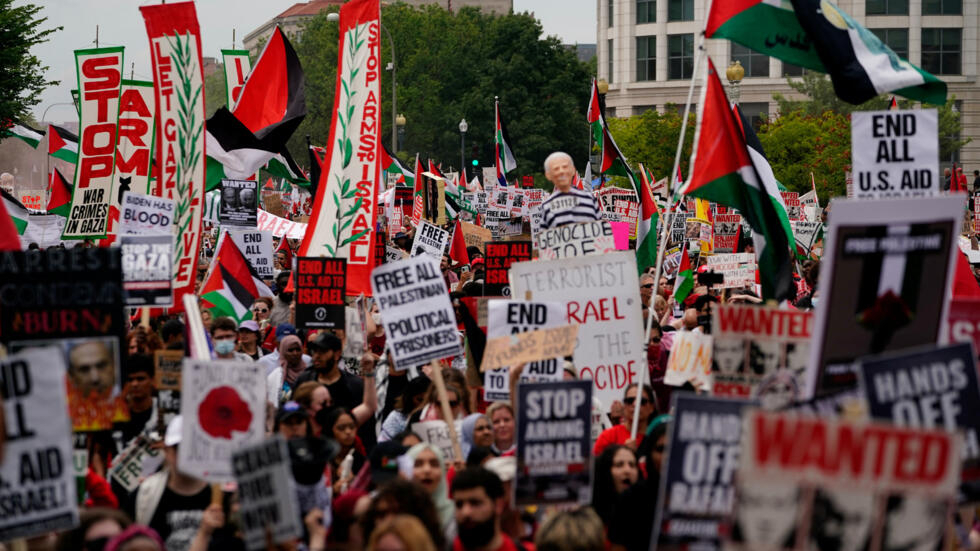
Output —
<point x="609" y="12"/>
<point x="646" y="58"/>
<point x="754" y="63"/>
<point x="640" y="109"/>
<point x="896" y="39"/>
<point x="941" y="51"/>
<point x="790" y="70"/>
<point x="680" y="56"/>
<point x="942" y="7"/>
<point x="887" y="7"/>
<point x="756" y="113"/>
<point x="952" y="156"/>
<point x="680" y="10"/>
<point x="610" y="112"/>
<point x="646" y="11"/>
<point x="609" y="49"/>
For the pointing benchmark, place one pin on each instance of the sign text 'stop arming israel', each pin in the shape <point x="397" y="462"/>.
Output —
<point x="895" y="153"/>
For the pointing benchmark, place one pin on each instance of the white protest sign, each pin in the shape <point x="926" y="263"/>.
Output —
<point x="256" y="247"/>
<point x="602" y="295"/>
<point x="418" y="318"/>
<point x="37" y="483"/>
<point x="690" y="360"/>
<point x="895" y="153"/>
<point x="43" y="229"/>
<point x="392" y="254"/>
<point x="267" y="493"/>
<point x="279" y="226"/>
<point x="223" y="407"/>
<point x="437" y="433"/>
<point x="137" y="461"/>
<point x="507" y="317"/>
<point x="580" y="239"/>
<point x="145" y="214"/>
<point x="430" y="239"/>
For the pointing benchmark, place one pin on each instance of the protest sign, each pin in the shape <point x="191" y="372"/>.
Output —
<point x="872" y="297"/>
<point x="678" y="227"/>
<point x="530" y="346"/>
<point x="699" y="472"/>
<point x="43" y="229"/>
<point x="794" y="209"/>
<point x="554" y="443"/>
<point x="895" y="153"/>
<point x="430" y="240"/>
<point x="726" y="232"/>
<point x="145" y="214"/>
<point x="37" y="483"/>
<point x="500" y="256"/>
<point x="61" y="292"/>
<point x="760" y="351"/>
<point x="964" y="321"/>
<point x="267" y="493"/>
<point x="280" y="227"/>
<point x="166" y="379"/>
<point x="672" y="261"/>
<point x="147" y="262"/>
<point x="138" y="460"/>
<point x="800" y="475"/>
<point x="737" y="269"/>
<point x="507" y="317"/>
<point x="133" y="149"/>
<point x="690" y="360"/>
<point x="239" y="203"/>
<point x="930" y="388"/>
<point x="393" y="254"/>
<point x="806" y="235"/>
<point x="320" y="286"/>
<point x="33" y="200"/>
<point x="223" y="407"/>
<point x="256" y="247"/>
<point x="437" y="433"/>
<point x="99" y="73"/>
<point x="580" y="239"/>
<point x="418" y="318"/>
<point x="475" y="236"/>
<point x="602" y="295"/>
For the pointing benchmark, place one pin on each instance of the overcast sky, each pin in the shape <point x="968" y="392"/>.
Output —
<point x="120" y="24"/>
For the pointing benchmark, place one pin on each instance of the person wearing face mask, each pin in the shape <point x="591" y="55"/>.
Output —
<point x="280" y="306"/>
<point x="224" y="333"/>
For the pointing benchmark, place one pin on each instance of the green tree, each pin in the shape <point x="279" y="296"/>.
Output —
<point x="215" y="95"/>
<point x="651" y="138"/>
<point x="21" y="74"/>
<point x="449" y="67"/>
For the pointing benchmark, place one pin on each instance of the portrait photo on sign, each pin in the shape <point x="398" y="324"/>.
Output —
<point x="93" y="378"/>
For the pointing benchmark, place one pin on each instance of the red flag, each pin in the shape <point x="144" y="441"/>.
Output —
<point x="273" y="99"/>
<point x="964" y="284"/>
<point x="457" y="250"/>
<point x="284" y="247"/>
<point x="417" y="204"/>
<point x="893" y="106"/>
<point x="594" y="113"/>
<point x="9" y="238"/>
<point x="60" y="200"/>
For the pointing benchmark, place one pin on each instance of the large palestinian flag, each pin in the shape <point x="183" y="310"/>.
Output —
<point x="59" y="194"/>
<point x="817" y="35"/>
<point x="723" y="172"/>
<point x="232" y="285"/>
<point x="646" y="227"/>
<point x="18" y="213"/>
<point x="23" y="132"/>
<point x="62" y="144"/>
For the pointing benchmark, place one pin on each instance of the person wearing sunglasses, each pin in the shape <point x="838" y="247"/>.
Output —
<point x="620" y="434"/>
<point x="646" y="291"/>
<point x="261" y="309"/>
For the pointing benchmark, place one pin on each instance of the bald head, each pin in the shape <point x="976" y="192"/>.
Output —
<point x="690" y="319"/>
<point x="559" y="170"/>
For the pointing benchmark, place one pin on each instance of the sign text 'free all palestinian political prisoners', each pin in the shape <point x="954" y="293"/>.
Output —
<point x="507" y="317"/>
<point x="37" y="469"/>
<point x="320" y="285"/>
<point x="223" y="406"/>
<point x="601" y="294"/>
<point x="239" y="203"/>
<point x="895" y="153"/>
<point x="930" y="388"/>
<point x="554" y="443"/>
<point x="418" y="317"/>
<point x="148" y="269"/>
<point x="256" y="247"/>
<point x="267" y="493"/>
<point x="696" y="491"/>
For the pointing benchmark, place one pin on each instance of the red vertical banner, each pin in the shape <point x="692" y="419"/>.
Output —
<point x="345" y="211"/>
<point x="175" y="46"/>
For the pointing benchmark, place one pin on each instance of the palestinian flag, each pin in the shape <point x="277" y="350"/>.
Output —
<point x="283" y="166"/>
<point x="613" y="161"/>
<point x="594" y="115"/>
<point x="232" y="285"/>
<point x="723" y="171"/>
<point x="59" y="194"/>
<point x="390" y="163"/>
<point x="771" y="186"/>
<point x="233" y="151"/>
<point x="684" y="282"/>
<point x="16" y="211"/>
<point x="646" y="227"/>
<point x="418" y="203"/>
<point x="457" y="247"/>
<point x="817" y="35"/>
<point x="317" y="154"/>
<point x="62" y="144"/>
<point x="21" y="131"/>
<point x="503" y="157"/>
<point x="272" y="102"/>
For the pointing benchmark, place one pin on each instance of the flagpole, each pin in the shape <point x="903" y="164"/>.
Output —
<point x="668" y="221"/>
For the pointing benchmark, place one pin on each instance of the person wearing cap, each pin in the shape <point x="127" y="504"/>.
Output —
<point x="224" y="333"/>
<point x="345" y="388"/>
<point x="292" y="421"/>
<point x="271" y="360"/>
<point x="172" y="502"/>
<point x="248" y="340"/>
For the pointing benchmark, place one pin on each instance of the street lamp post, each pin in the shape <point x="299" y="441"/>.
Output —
<point x="400" y="125"/>
<point x="735" y="73"/>
<point x="335" y="17"/>
<point x="463" y="127"/>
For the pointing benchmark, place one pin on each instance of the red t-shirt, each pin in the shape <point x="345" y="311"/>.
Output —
<point x="505" y="544"/>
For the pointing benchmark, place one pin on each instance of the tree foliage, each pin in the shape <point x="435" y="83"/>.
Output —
<point x="450" y="65"/>
<point x="651" y="138"/>
<point x="21" y="73"/>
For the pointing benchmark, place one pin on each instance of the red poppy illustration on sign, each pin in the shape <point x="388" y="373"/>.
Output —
<point x="223" y="411"/>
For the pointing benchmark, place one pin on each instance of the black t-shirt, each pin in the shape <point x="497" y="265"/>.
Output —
<point x="137" y="422"/>
<point x="348" y="392"/>
<point x="177" y="518"/>
<point x="631" y="524"/>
